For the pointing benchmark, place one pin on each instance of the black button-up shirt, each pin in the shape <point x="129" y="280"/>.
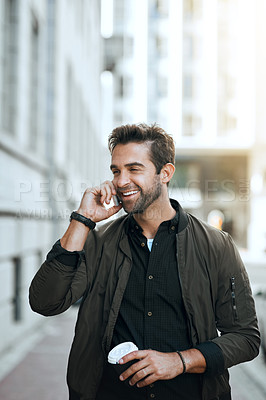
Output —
<point x="153" y="288"/>
<point x="152" y="315"/>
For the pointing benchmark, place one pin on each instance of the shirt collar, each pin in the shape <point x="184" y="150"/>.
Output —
<point x="172" y="224"/>
<point x="133" y="226"/>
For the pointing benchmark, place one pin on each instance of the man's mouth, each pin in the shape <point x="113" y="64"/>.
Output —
<point x="128" y="194"/>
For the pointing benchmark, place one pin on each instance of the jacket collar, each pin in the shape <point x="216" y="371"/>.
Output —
<point x="183" y="218"/>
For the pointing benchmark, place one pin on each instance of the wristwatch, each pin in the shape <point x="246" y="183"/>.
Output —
<point x="80" y="218"/>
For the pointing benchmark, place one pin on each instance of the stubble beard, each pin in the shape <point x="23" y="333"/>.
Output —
<point x="146" y="198"/>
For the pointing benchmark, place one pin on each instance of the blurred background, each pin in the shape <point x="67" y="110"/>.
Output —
<point x="72" y="70"/>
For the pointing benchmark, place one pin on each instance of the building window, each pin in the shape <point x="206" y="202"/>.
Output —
<point x="188" y="87"/>
<point x="226" y="87"/>
<point x="162" y="7"/>
<point x="191" y="125"/>
<point x="90" y="155"/>
<point x="161" y="46"/>
<point x="188" y="47"/>
<point x="192" y="9"/>
<point x="17" y="285"/>
<point x="118" y="118"/>
<point x="128" y="46"/>
<point x="73" y="118"/>
<point x="128" y="86"/>
<point x="120" y="86"/>
<point x="34" y="84"/>
<point x="192" y="47"/>
<point x="162" y="86"/>
<point x="69" y="112"/>
<point x="79" y="17"/>
<point x="226" y="123"/>
<point x="124" y="86"/>
<point x="113" y="51"/>
<point x="8" y="66"/>
<point x="264" y="178"/>
<point x="119" y="13"/>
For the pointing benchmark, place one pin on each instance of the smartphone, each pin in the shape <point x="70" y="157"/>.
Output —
<point x="116" y="200"/>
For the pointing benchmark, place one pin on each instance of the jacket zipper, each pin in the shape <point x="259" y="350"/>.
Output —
<point x="233" y="295"/>
<point x="189" y="323"/>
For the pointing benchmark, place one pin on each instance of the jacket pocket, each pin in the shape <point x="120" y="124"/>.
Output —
<point x="233" y="296"/>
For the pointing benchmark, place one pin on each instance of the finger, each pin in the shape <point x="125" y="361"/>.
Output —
<point x="113" y="184"/>
<point x="108" y="190"/>
<point x="134" y="355"/>
<point x="113" y="210"/>
<point x="103" y="194"/>
<point x="140" y="375"/>
<point x="113" y="187"/>
<point x="147" y="381"/>
<point x="95" y="192"/>
<point x="133" y="369"/>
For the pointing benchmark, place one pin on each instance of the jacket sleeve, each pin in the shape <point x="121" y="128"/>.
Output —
<point x="236" y="318"/>
<point x="56" y="286"/>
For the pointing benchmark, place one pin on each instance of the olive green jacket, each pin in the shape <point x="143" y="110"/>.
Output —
<point x="215" y="290"/>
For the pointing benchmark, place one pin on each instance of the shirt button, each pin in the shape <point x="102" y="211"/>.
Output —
<point x="173" y="228"/>
<point x="142" y="244"/>
<point x="149" y="313"/>
<point x="151" y="385"/>
<point x="152" y="395"/>
<point x="150" y="277"/>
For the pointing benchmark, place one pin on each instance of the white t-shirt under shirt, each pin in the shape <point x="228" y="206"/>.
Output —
<point x="149" y="243"/>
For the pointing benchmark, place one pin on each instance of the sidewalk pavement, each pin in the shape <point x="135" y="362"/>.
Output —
<point x="41" y="373"/>
<point x="37" y="370"/>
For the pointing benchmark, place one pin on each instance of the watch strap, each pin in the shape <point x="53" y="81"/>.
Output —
<point x="84" y="220"/>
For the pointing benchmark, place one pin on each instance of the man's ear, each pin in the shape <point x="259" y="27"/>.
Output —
<point x="167" y="172"/>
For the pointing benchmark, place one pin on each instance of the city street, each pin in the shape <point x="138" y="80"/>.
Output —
<point x="170" y="92"/>
<point x="37" y="368"/>
<point x="248" y="380"/>
<point x="40" y="375"/>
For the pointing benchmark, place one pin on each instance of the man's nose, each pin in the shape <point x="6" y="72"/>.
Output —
<point x="122" y="180"/>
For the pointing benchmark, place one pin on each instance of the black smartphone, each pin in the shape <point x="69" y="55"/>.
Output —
<point x="116" y="200"/>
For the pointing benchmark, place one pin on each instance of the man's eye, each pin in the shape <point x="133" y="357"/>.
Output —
<point x="115" y="172"/>
<point x="133" y="169"/>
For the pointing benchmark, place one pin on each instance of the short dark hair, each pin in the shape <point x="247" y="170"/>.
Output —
<point x="162" y="148"/>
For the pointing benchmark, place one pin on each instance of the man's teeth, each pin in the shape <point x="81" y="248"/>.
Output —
<point x="129" y="193"/>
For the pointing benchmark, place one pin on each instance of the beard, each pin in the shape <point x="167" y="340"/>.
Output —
<point x="145" y="198"/>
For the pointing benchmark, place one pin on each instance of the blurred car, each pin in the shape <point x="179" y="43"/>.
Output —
<point x="260" y="299"/>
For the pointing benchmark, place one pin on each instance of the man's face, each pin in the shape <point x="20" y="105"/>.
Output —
<point x="135" y="179"/>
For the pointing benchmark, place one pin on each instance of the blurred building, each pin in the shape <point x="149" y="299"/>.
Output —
<point x="196" y="67"/>
<point x="257" y="159"/>
<point x="141" y="53"/>
<point x="216" y="127"/>
<point x="50" y="137"/>
<point x="221" y="136"/>
<point x="193" y="67"/>
<point x="124" y="28"/>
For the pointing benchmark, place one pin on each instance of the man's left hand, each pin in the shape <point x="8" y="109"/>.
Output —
<point x="152" y="366"/>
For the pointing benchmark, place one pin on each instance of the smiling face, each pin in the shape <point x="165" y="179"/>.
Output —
<point x="135" y="178"/>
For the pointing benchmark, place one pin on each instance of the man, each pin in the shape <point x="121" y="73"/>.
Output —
<point x="156" y="276"/>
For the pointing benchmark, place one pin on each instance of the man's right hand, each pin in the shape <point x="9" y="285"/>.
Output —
<point x="92" y="203"/>
<point x="91" y="206"/>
